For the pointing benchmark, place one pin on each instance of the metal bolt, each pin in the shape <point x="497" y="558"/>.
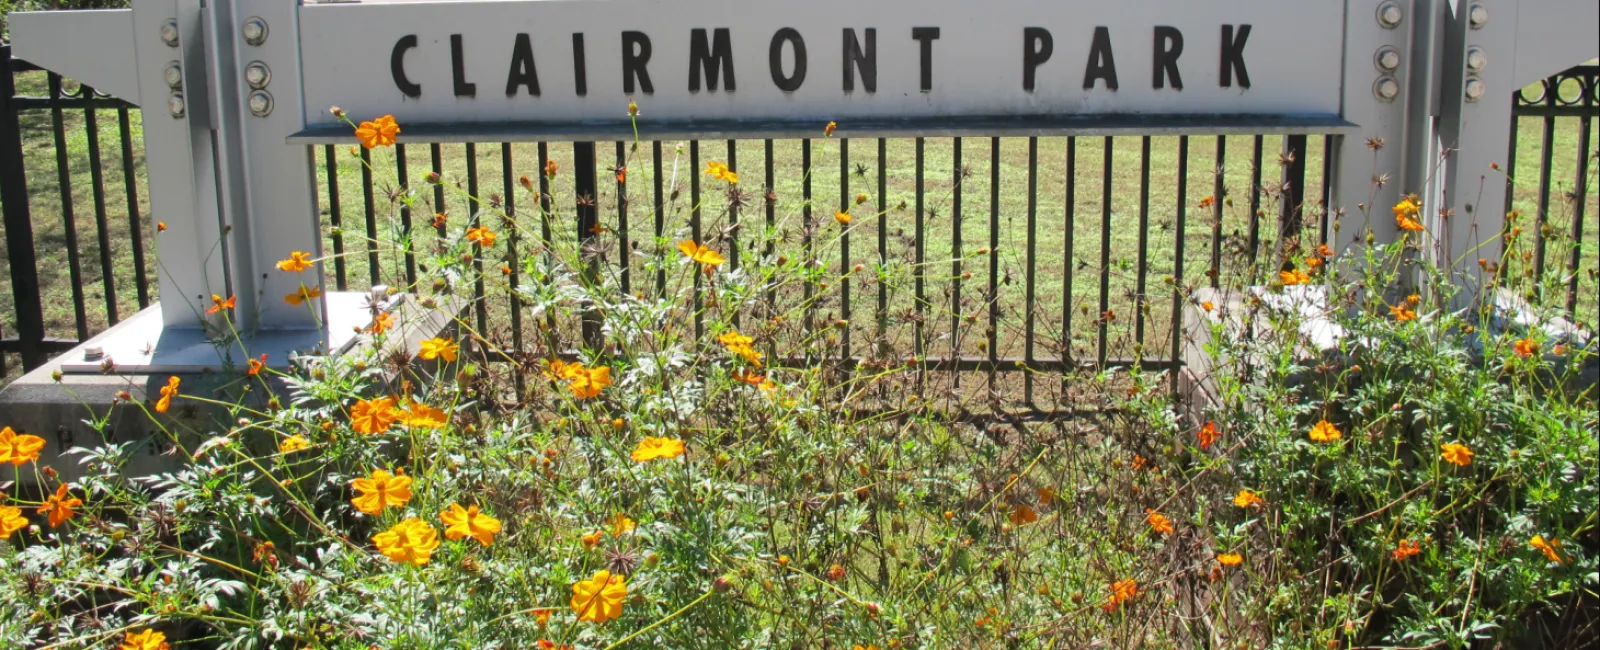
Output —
<point x="175" y="105"/>
<point x="1390" y="14"/>
<point x="254" y="30"/>
<point x="169" y="32"/>
<point x="1477" y="59"/>
<point x="1476" y="89"/>
<point x="1478" y="16"/>
<point x="257" y="75"/>
<point x="173" y="75"/>
<point x="260" y="103"/>
<point x="1386" y="89"/>
<point x="1387" y="59"/>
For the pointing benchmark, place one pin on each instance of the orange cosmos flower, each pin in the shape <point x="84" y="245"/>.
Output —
<point x="599" y="599"/>
<point x="482" y="235"/>
<point x="550" y="168"/>
<point x="700" y="253"/>
<point x="1405" y="549"/>
<point x="1022" y="514"/>
<point x="378" y="133"/>
<point x="373" y="416"/>
<point x="161" y="226"/>
<point x="298" y="261"/>
<point x="305" y="293"/>
<point x="592" y="540"/>
<point x="652" y="448"/>
<point x="1456" y="453"/>
<point x="1207" y="202"/>
<point x="19" y="448"/>
<point x="829" y="129"/>
<point x="741" y="345"/>
<point x="842" y="217"/>
<point x="59" y="506"/>
<point x="1402" y="313"/>
<point x="1230" y="559"/>
<point x="1550" y="548"/>
<point x="1246" y="498"/>
<point x="410" y="541"/>
<point x="168" y="392"/>
<point x="836" y="573"/>
<point x="256" y="365"/>
<point x="1122" y="591"/>
<point x="1525" y="347"/>
<point x="589" y="382"/>
<point x="1159" y="523"/>
<point x="380" y="491"/>
<point x="1324" y="431"/>
<point x="1207" y="306"/>
<point x="1313" y="262"/>
<point x="468" y="522"/>
<point x="11" y="521"/>
<point x="417" y="414"/>
<point x="146" y="640"/>
<point x="749" y="377"/>
<point x="1406" y="212"/>
<point x="1324" y="250"/>
<point x="381" y="323"/>
<point x="1293" y="277"/>
<point x="1207" y="435"/>
<point x="218" y="304"/>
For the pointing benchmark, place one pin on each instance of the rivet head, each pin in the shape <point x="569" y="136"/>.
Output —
<point x="1476" y="89"/>
<point x="1390" y="14"/>
<point x="254" y="30"/>
<point x="173" y="75"/>
<point x="175" y="105"/>
<point x="1477" y="59"/>
<point x="1477" y="16"/>
<point x="1386" y="89"/>
<point x="1387" y="58"/>
<point x="257" y="75"/>
<point x="260" y="103"/>
<point x="169" y="32"/>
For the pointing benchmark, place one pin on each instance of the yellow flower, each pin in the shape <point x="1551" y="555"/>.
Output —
<point x="1230" y="559"/>
<point x="371" y="416"/>
<point x="1457" y="453"/>
<point x="701" y="253"/>
<point x="599" y="599"/>
<point x="1022" y="514"/>
<point x="146" y="640"/>
<point x="19" y="448"/>
<point x="1159" y="523"/>
<point x="1293" y="277"/>
<point x="621" y="525"/>
<point x="417" y="414"/>
<point x="11" y="521"/>
<point x="468" y="522"/>
<point x="1405" y="213"/>
<point x="168" y="392"/>
<point x="305" y="293"/>
<point x="293" y="444"/>
<point x="298" y="261"/>
<point x="1402" y="313"/>
<point x="378" y="133"/>
<point x="720" y="171"/>
<point x="741" y="345"/>
<point x="411" y="541"/>
<point x="652" y="448"/>
<point x="380" y="491"/>
<point x="482" y="235"/>
<point x="437" y="348"/>
<point x="842" y="217"/>
<point x="1246" y="499"/>
<point x="59" y="506"/>
<point x="1324" y="431"/>
<point x="1549" y="548"/>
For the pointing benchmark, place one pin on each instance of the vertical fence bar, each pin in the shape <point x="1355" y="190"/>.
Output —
<point x="694" y="233"/>
<point x="771" y="203"/>
<point x="545" y="235"/>
<point x="883" y="236"/>
<point x="1291" y="202"/>
<point x="404" y="178"/>
<point x="919" y="277"/>
<point x="1255" y="205"/>
<point x="1328" y="147"/>
<point x="624" y="251"/>
<point x="807" y="225"/>
<point x="844" y="247"/>
<point x="993" y="296"/>
<point x="733" y="216"/>
<point x="1546" y="159"/>
<point x="587" y="188"/>
<point x="1105" y="250"/>
<point x="331" y="162"/>
<point x="513" y="279"/>
<point x="661" y="215"/>
<point x="1511" y="160"/>
<point x="372" y="217"/>
<point x="1140" y="303"/>
<point x="1068" y="262"/>
<point x="130" y="188"/>
<point x="24" y="263"/>
<point x="1033" y="249"/>
<point x="97" y="182"/>
<point x="1179" y="286"/>
<point x="436" y="162"/>
<point x="476" y="219"/>
<point x="1217" y="195"/>
<point x="1580" y="190"/>
<point x="956" y="261"/>
<point x="69" y="221"/>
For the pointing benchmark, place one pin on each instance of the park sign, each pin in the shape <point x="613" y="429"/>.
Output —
<point x="568" y="68"/>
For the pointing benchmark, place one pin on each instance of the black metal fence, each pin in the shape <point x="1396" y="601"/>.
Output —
<point x="1018" y="253"/>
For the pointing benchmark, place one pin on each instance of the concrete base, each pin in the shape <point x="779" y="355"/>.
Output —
<point x="65" y="407"/>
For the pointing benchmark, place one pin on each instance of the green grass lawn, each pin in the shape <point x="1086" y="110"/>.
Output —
<point x="1054" y="230"/>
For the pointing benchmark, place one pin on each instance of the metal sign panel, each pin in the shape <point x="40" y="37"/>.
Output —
<point x="741" y="66"/>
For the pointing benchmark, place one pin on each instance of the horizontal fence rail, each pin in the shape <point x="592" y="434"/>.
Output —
<point x="982" y="260"/>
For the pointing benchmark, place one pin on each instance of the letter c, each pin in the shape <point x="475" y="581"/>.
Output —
<point x="397" y="66"/>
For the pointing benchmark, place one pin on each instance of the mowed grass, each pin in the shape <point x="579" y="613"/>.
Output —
<point x="991" y="216"/>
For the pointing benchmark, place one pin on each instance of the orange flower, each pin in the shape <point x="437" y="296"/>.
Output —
<point x="1406" y="212"/>
<point x="19" y="448"/>
<point x="1456" y="453"/>
<point x="378" y="133"/>
<point x="621" y="525"/>
<point x="700" y="253"/>
<point x="11" y="521"/>
<point x="1324" y="250"/>
<point x="381" y="490"/>
<point x="1525" y="347"/>
<point x="652" y="448"/>
<point x="437" y="348"/>
<point x="411" y="541"/>
<point x="1402" y="313"/>
<point x="59" y="506"/>
<point x="829" y="129"/>
<point x="305" y="293"/>
<point x="482" y="235"/>
<point x="218" y="304"/>
<point x="1405" y="549"/>
<point x="372" y="416"/>
<point x="468" y="522"/>
<point x="1121" y="591"/>
<point x="254" y="366"/>
<point x="1207" y="306"/>
<point x="168" y="392"/>
<point x="1022" y="514"/>
<point x="161" y="226"/>
<point x="1247" y="498"/>
<point x="381" y="323"/>
<point x="1207" y="435"/>
<point x="1324" y="431"/>
<point x="592" y="540"/>
<point x="298" y="261"/>
<point x="1293" y="277"/>
<point x="1550" y="548"/>
<point x="1313" y="262"/>
<point x="550" y="168"/>
<point x="588" y="382"/>
<point x="1208" y="202"/>
<point x="741" y="345"/>
<point x="842" y="217"/>
<point x="439" y="218"/>
<point x="749" y="377"/>
<point x="720" y="171"/>
<point x="1159" y="523"/>
<point x="417" y="414"/>
<point x="146" y="640"/>
<point x="836" y="573"/>
<point x="599" y="599"/>
<point x="1230" y="559"/>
